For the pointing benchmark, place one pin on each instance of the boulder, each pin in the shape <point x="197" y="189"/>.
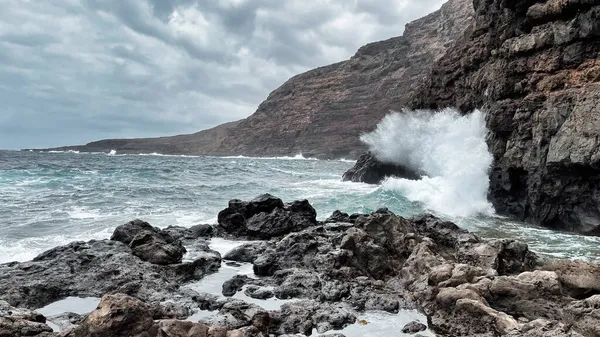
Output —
<point x="149" y="243"/>
<point x="15" y="322"/>
<point x="368" y="169"/>
<point x="414" y="327"/>
<point x="265" y="217"/>
<point x="117" y="315"/>
<point x="234" y="284"/>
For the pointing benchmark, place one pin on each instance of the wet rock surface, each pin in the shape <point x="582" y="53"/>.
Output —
<point x="265" y="217"/>
<point x="98" y="267"/>
<point x="533" y="67"/>
<point x="368" y="169"/>
<point x="327" y="273"/>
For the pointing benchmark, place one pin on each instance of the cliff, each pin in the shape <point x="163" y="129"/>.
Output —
<point x="534" y="67"/>
<point x="322" y="113"/>
<point x="193" y="144"/>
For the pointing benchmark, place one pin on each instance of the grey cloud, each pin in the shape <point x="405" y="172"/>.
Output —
<point x="73" y="71"/>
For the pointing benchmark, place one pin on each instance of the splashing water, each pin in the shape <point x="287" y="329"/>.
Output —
<point x="448" y="149"/>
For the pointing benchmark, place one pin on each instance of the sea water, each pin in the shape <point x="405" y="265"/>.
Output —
<point x="50" y="199"/>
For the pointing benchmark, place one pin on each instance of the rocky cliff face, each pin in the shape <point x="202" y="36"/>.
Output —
<point x="534" y="67"/>
<point x="323" y="111"/>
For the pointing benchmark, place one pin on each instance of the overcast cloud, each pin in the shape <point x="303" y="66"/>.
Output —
<point x="73" y="71"/>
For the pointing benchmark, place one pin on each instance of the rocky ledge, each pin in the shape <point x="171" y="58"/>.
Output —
<point x="334" y="270"/>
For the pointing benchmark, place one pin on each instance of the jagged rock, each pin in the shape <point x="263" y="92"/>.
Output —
<point x="579" y="278"/>
<point x="122" y="315"/>
<point x="117" y="315"/>
<point x="149" y="243"/>
<point x="414" y="327"/>
<point x="532" y="66"/>
<point x="266" y="217"/>
<point x="248" y="252"/>
<point x="234" y="284"/>
<point x="15" y="322"/>
<point x="258" y="292"/>
<point x="95" y="268"/>
<point x="584" y="316"/>
<point x="368" y="169"/>
<point x="236" y="314"/>
<point x="304" y="316"/>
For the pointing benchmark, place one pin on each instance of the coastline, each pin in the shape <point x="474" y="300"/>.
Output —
<point x="335" y="270"/>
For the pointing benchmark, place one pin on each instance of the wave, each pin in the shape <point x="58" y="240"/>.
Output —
<point x="55" y="151"/>
<point x="448" y="148"/>
<point x="296" y="157"/>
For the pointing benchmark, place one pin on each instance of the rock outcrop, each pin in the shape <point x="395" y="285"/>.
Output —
<point x="99" y="267"/>
<point x="322" y="113"/>
<point x="533" y="67"/>
<point x="368" y="169"/>
<point x="334" y="270"/>
<point x="16" y="322"/>
<point x="265" y="217"/>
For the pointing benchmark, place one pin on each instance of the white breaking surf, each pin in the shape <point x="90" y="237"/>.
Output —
<point x="448" y="149"/>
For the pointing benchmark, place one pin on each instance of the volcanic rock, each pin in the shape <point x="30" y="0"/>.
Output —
<point x="368" y="169"/>
<point x="266" y="217"/>
<point x="149" y="243"/>
<point x="95" y="268"/>
<point x="533" y="67"/>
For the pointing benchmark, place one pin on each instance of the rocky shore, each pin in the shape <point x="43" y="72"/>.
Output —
<point x="328" y="272"/>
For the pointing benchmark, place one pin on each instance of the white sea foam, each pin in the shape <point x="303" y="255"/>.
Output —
<point x="448" y="149"/>
<point x="296" y="157"/>
<point x="112" y="152"/>
<point x="28" y="248"/>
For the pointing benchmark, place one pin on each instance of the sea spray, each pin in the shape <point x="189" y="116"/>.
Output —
<point x="448" y="149"/>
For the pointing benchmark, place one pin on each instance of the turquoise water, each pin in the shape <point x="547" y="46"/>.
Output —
<point x="49" y="199"/>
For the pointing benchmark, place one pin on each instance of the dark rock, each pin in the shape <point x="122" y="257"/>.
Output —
<point x="125" y="233"/>
<point x="266" y="217"/>
<point x="304" y="316"/>
<point x="265" y="203"/>
<point x="532" y="67"/>
<point x="201" y="231"/>
<point x="265" y="265"/>
<point x="237" y="314"/>
<point x="149" y="243"/>
<point x="414" y="327"/>
<point x="338" y="216"/>
<point x="258" y="292"/>
<point x="93" y="269"/>
<point x="234" y="284"/>
<point x="157" y="248"/>
<point x="368" y="169"/>
<point x="247" y="252"/>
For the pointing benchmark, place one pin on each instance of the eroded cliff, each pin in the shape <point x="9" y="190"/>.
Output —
<point x="534" y="67"/>
<point x="323" y="112"/>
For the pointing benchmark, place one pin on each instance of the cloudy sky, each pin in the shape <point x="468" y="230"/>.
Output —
<point x="73" y="71"/>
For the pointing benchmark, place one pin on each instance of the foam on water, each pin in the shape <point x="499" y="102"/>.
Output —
<point x="47" y="200"/>
<point x="448" y="149"/>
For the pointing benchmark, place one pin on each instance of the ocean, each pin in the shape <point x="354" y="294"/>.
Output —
<point x="50" y="199"/>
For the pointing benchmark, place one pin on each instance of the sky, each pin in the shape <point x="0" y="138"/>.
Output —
<point x="74" y="71"/>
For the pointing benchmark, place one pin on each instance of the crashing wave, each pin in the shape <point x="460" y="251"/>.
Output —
<point x="449" y="148"/>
